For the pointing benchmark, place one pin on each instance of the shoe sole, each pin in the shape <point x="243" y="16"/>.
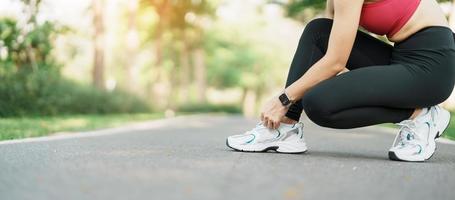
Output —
<point x="394" y="157"/>
<point x="274" y="148"/>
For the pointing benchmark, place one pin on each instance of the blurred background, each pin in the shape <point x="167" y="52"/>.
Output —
<point x="98" y="57"/>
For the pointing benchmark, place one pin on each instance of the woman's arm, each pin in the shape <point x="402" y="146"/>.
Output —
<point x="342" y="36"/>
<point x="329" y="9"/>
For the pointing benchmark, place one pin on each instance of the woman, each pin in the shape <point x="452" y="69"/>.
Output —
<point x="401" y="84"/>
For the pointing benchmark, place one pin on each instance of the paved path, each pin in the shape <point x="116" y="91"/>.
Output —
<point x="186" y="158"/>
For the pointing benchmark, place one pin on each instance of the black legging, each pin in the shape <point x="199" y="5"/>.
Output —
<point x="385" y="83"/>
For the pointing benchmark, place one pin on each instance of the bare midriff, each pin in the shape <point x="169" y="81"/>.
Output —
<point x="428" y="13"/>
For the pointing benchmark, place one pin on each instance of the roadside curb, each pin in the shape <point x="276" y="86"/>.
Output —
<point x="124" y="129"/>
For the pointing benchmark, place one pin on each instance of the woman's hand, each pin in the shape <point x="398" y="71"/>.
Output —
<point x="272" y="113"/>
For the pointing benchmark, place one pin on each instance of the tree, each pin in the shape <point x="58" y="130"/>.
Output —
<point x="176" y="20"/>
<point x="132" y="44"/>
<point x="301" y="10"/>
<point x="98" y="44"/>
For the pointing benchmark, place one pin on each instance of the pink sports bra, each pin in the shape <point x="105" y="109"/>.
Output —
<point x="387" y="17"/>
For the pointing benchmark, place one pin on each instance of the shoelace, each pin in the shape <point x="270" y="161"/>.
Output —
<point x="407" y="132"/>
<point x="259" y="126"/>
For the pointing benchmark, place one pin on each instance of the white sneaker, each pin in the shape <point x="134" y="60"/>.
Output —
<point x="416" y="138"/>
<point x="286" y="138"/>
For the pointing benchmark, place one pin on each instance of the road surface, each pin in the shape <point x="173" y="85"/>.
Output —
<point x="186" y="158"/>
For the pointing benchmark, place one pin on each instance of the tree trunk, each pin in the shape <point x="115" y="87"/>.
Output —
<point x="162" y="10"/>
<point x="132" y="43"/>
<point x="158" y="51"/>
<point x="185" y="75"/>
<point x="98" y="40"/>
<point x="200" y="75"/>
<point x="155" y="71"/>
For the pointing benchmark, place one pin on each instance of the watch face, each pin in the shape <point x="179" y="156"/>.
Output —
<point x="284" y="99"/>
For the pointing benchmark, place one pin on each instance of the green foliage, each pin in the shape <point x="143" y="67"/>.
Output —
<point x="450" y="132"/>
<point x="26" y="50"/>
<point x="46" y="93"/>
<point x="296" y="6"/>
<point x="234" y="59"/>
<point x="174" y="14"/>
<point x="227" y="61"/>
<point x="30" y="82"/>
<point x="8" y="33"/>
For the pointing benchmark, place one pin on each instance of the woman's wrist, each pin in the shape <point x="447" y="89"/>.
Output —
<point x="290" y="94"/>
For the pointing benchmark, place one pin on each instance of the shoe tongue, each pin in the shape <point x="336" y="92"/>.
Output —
<point x="424" y="111"/>
<point x="422" y="130"/>
<point x="285" y="127"/>
<point x="422" y="115"/>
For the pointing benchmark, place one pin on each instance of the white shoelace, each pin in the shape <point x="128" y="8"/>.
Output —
<point x="259" y="126"/>
<point x="407" y="134"/>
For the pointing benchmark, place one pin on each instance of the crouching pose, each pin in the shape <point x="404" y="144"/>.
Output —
<point x="401" y="83"/>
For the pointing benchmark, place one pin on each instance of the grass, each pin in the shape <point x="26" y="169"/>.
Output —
<point x="449" y="133"/>
<point x="25" y="127"/>
<point x="16" y="128"/>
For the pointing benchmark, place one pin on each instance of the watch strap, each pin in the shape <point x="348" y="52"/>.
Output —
<point x="291" y="100"/>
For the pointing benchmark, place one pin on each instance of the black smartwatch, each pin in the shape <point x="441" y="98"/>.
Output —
<point x="285" y="99"/>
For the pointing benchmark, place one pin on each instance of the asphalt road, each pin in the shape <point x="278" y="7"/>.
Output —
<point x="186" y="158"/>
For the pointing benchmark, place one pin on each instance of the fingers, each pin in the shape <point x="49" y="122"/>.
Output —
<point x="266" y="121"/>
<point x="270" y="122"/>
<point x="277" y="124"/>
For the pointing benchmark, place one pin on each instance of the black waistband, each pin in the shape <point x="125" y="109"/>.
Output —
<point x="429" y="37"/>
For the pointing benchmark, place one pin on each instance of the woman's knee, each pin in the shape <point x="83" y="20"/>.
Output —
<point x="445" y="92"/>
<point x="317" y="110"/>
<point x="317" y="27"/>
